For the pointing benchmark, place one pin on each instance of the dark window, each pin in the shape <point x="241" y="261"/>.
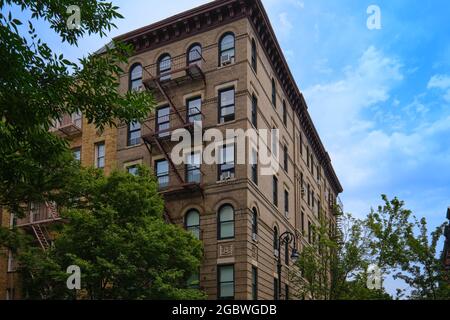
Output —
<point x="274" y="93"/>
<point x="195" y="54"/>
<point x="193" y="281"/>
<point x="133" y="170"/>
<point x="226" y="168"/>
<point x="193" y="173"/>
<point x="286" y="202"/>
<point x="134" y="133"/>
<point x="226" y="222"/>
<point x="162" y="173"/>
<point x="309" y="232"/>
<point x="254" y="56"/>
<point x="286" y="291"/>
<point x="135" y="77"/>
<point x="192" y="223"/>
<point x="275" y="240"/>
<point x="164" y="67"/>
<point x="307" y="157"/>
<point x="254" y="283"/>
<point x="275" y="289"/>
<point x="254" y="166"/>
<point x="163" y="121"/>
<point x="226" y="49"/>
<point x="286" y="158"/>
<point x="309" y="194"/>
<point x="300" y="138"/>
<point x="226" y="105"/>
<point x="255" y="111"/>
<point x="312" y="198"/>
<point x="284" y="113"/>
<point x="225" y="276"/>
<point x="100" y="155"/>
<point x="254" y="221"/>
<point x="318" y="172"/>
<point x="194" y="109"/>
<point x="312" y="164"/>
<point x="275" y="190"/>
<point x="303" y="222"/>
<point x="302" y="185"/>
<point x="77" y="154"/>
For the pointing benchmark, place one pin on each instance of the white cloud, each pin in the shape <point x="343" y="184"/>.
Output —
<point x="285" y="25"/>
<point x="439" y="82"/>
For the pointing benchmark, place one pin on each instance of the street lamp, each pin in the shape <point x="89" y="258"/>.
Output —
<point x="285" y="239"/>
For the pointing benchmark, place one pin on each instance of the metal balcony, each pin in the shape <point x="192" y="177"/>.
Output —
<point x="68" y="125"/>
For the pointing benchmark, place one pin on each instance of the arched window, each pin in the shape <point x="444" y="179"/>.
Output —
<point x="135" y="77"/>
<point x="275" y="241"/>
<point x="192" y="222"/>
<point x="194" y="54"/>
<point x="227" y="49"/>
<point x="226" y="222"/>
<point x="164" y="67"/>
<point x="254" y="222"/>
<point x="254" y="56"/>
<point x="274" y="93"/>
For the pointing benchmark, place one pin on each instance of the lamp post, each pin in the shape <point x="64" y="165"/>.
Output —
<point x="285" y="239"/>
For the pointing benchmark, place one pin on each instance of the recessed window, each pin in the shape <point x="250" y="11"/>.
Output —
<point x="284" y="113"/>
<point x="275" y="190"/>
<point x="226" y="222"/>
<point x="193" y="173"/>
<point x="194" y="109"/>
<point x="77" y="154"/>
<point x="275" y="142"/>
<point x="195" y="54"/>
<point x="100" y="155"/>
<point x="134" y="133"/>
<point x="302" y="222"/>
<point x="254" y="56"/>
<point x="274" y="94"/>
<point x="309" y="232"/>
<point x="225" y="276"/>
<point x="254" y="283"/>
<point x="163" y="121"/>
<point x="309" y="194"/>
<point x="133" y="170"/>
<point x="300" y="139"/>
<point x="193" y="281"/>
<point x="254" y="222"/>
<point x="135" y="77"/>
<point x="192" y="223"/>
<point x="275" y="240"/>
<point x="226" y="167"/>
<point x="227" y="49"/>
<point x="275" y="289"/>
<point x="226" y="105"/>
<point x="286" y="203"/>
<point x="164" y="67"/>
<point x="162" y="173"/>
<point x="286" y="158"/>
<point x="254" y="166"/>
<point x="254" y="111"/>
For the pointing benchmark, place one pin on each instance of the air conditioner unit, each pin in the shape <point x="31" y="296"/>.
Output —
<point x="226" y="176"/>
<point x="254" y="237"/>
<point x="226" y="59"/>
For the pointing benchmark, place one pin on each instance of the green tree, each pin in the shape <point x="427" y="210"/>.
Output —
<point x="116" y="234"/>
<point x="38" y="86"/>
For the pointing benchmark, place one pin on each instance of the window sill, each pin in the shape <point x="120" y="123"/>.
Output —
<point x="226" y="181"/>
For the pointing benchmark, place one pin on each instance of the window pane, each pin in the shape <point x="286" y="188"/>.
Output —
<point x="195" y="53"/>
<point x="226" y="213"/>
<point x="136" y="73"/>
<point x="226" y="274"/>
<point x="227" y="230"/>
<point x="227" y="97"/>
<point x="227" y="42"/>
<point x="132" y="170"/>
<point x="192" y="219"/>
<point x="227" y="290"/>
<point x="135" y="126"/>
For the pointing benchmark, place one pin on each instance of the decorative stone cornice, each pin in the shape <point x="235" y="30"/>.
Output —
<point x="221" y="12"/>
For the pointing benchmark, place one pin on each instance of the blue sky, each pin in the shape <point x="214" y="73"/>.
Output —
<point x="380" y="99"/>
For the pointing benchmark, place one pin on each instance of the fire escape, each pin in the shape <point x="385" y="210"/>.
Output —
<point x="38" y="217"/>
<point x="163" y="78"/>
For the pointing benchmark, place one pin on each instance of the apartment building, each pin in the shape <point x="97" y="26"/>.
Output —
<point x="220" y="64"/>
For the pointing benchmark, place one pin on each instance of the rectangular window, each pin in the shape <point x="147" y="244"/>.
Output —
<point x="275" y="190"/>
<point x="312" y="164"/>
<point x="254" y="283"/>
<point x="134" y="133"/>
<point x="313" y="199"/>
<point x="302" y="185"/>
<point x="307" y="157"/>
<point x="100" y="155"/>
<point x="286" y="158"/>
<point x="226" y="162"/>
<point x="77" y="154"/>
<point x="193" y="173"/>
<point x="286" y="203"/>
<point x="226" y="105"/>
<point x="162" y="173"/>
<point x="11" y="262"/>
<point x="194" y="109"/>
<point x="254" y="166"/>
<point x="163" y="121"/>
<point x="133" y="170"/>
<point x="303" y="222"/>
<point x="309" y="232"/>
<point x="254" y="111"/>
<point x="225" y="278"/>
<point x="300" y="138"/>
<point x="309" y="194"/>
<point x="284" y="113"/>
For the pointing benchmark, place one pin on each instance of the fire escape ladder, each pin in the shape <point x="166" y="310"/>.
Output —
<point x="40" y="235"/>
<point x="166" y="96"/>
